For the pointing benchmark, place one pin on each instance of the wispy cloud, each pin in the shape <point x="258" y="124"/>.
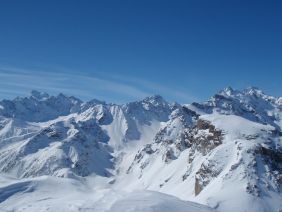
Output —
<point x="170" y="92"/>
<point x="17" y="81"/>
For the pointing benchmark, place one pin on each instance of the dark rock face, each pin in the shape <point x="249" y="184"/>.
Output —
<point x="204" y="125"/>
<point x="205" y="174"/>
<point x="272" y="159"/>
<point x="200" y="137"/>
<point x="204" y="137"/>
<point x="198" y="186"/>
<point x="168" y="156"/>
<point x="274" y="155"/>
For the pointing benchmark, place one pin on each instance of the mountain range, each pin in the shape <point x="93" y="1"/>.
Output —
<point x="58" y="153"/>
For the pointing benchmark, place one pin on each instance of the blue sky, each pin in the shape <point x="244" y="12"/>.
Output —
<point x="121" y="51"/>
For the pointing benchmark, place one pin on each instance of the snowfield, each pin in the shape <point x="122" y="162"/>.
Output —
<point x="62" y="194"/>
<point x="58" y="153"/>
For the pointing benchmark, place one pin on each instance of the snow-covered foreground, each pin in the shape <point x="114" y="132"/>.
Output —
<point x="54" y="194"/>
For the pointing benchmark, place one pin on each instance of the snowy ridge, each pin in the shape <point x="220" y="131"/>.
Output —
<point x="250" y="103"/>
<point x="224" y="153"/>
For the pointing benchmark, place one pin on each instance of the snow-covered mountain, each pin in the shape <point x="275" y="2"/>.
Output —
<point x="225" y="153"/>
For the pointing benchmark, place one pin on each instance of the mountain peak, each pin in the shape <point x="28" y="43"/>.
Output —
<point x="155" y="99"/>
<point x="39" y="95"/>
<point x="227" y="91"/>
<point x="228" y="88"/>
<point x="253" y="90"/>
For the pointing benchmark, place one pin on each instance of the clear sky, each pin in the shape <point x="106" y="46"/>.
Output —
<point x="123" y="50"/>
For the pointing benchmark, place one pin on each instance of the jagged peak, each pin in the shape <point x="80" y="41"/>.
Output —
<point x="228" y="91"/>
<point x="62" y="97"/>
<point x="96" y="102"/>
<point x="252" y="90"/>
<point x="93" y="103"/>
<point x="155" y="100"/>
<point x="258" y="93"/>
<point x="43" y="96"/>
<point x="279" y="101"/>
<point x="39" y="95"/>
<point x="249" y="91"/>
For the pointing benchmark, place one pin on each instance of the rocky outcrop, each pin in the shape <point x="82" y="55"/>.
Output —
<point x="198" y="186"/>
<point x="201" y="137"/>
<point x="272" y="160"/>
<point x="207" y="172"/>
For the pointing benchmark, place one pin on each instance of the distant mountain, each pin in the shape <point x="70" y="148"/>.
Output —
<point x="225" y="153"/>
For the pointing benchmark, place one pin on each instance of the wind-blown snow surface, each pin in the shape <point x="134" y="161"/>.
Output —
<point x="62" y="154"/>
<point x="70" y="195"/>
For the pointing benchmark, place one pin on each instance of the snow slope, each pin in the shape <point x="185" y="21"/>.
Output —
<point x="70" y="195"/>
